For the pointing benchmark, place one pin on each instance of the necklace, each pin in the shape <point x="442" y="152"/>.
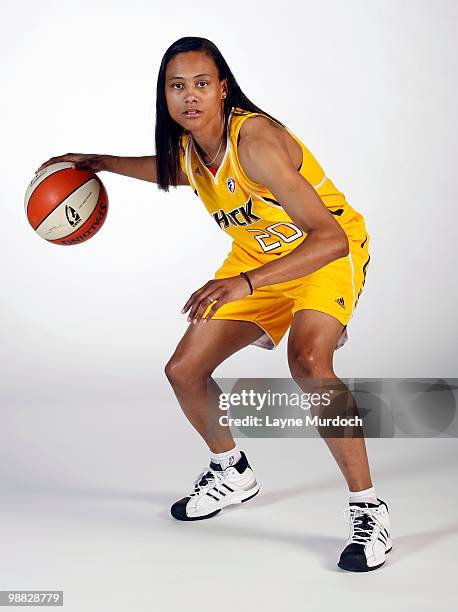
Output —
<point x="217" y="153"/>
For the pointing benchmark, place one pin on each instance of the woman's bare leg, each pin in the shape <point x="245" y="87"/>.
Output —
<point x="311" y="344"/>
<point x="202" y="349"/>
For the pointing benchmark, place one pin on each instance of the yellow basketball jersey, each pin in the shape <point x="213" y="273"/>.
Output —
<point x="247" y="211"/>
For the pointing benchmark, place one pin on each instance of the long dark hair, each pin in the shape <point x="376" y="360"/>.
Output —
<point x="168" y="132"/>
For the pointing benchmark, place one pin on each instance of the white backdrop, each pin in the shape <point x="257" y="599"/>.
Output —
<point x="93" y="446"/>
<point x="367" y="85"/>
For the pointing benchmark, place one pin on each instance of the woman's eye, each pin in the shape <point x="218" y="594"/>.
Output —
<point x="203" y="83"/>
<point x="177" y="85"/>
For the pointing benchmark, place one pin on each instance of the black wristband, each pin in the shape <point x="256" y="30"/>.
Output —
<point x="248" y="281"/>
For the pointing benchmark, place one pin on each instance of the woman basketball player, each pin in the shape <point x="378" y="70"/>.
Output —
<point x="298" y="260"/>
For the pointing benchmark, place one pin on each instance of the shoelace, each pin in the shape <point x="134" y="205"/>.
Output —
<point x="361" y="522"/>
<point x="206" y="480"/>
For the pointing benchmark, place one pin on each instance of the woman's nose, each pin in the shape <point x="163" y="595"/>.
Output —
<point x="190" y="95"/>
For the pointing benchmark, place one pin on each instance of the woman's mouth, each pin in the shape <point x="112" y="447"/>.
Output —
<point x="192" y="114"/>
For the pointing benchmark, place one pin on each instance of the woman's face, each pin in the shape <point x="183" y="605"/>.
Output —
<point x="193" y="90"/>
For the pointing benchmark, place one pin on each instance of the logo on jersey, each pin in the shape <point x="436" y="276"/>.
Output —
<point x="197" y="171"/>
<point x="243" y="215"/>
<point x="341" y="302"/>
<point x="231" y="184"/>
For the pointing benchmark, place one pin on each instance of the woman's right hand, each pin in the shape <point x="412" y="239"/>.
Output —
<point x="81" y="161"/>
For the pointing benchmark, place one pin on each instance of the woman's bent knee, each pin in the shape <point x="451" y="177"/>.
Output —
<point x="183" y="372"/>
<point x="309" y="363"/>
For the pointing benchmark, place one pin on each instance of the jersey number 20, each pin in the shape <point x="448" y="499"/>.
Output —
<point x="271" y="232"/>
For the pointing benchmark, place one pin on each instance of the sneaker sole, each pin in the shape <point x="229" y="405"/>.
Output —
<point x="215" y="512"/>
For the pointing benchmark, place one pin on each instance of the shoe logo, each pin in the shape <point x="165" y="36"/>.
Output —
<point x="231" y="460"/>
<point x="231" y="184"/>
<point x="341" y="302"/>
<point x="197" y="171"/>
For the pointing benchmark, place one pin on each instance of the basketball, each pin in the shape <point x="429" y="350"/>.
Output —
<point x="64" y="205"/>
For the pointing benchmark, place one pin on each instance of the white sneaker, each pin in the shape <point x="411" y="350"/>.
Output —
<point x="369" y="539"/>
<point x="215" y="489"/>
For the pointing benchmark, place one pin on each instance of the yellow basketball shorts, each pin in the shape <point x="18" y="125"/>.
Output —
<point x="333" y="289"/>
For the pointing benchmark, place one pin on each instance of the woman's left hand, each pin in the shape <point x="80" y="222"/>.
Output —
<point x="219" y="291"/>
